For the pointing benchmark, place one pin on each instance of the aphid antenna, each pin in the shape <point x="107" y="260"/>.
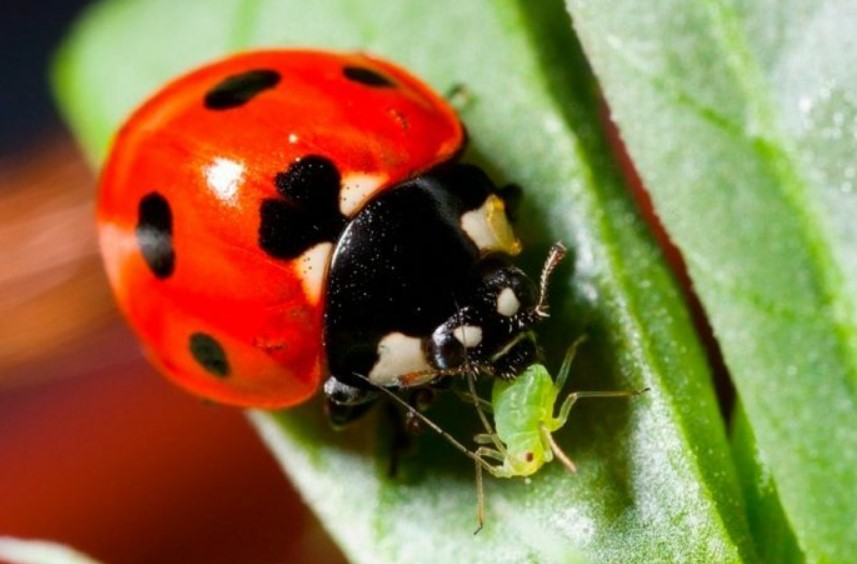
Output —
<point x="555" y="255"/>
<point x="431" y="424"/>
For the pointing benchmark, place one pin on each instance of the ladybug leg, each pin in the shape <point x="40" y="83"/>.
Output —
<point x="420" y="399"/>
<point x="345" y="403"/>
<point x="400" y="437"/>
<point x="459" y="96"/>
<point x="404" y="426"/>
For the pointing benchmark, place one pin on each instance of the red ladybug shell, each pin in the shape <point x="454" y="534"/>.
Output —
<point x="181" y="204"/>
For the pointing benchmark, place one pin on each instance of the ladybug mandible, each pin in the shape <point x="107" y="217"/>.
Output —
<point x="282" y="218"/>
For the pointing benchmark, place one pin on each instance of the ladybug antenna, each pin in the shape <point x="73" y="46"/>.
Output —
<point x="555" y="255"/>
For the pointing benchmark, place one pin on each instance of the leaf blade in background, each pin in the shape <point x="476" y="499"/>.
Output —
<point x="741" y="119"/>
<point x="655" y="479"/>
<point x="775" y="540"/>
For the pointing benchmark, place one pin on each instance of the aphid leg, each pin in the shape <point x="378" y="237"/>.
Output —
<point x="564" y="410"/>
<point x="562" y="376"/>
<point x="562" y="417"/>
<point x="555" y="256"/>
<point x="480" y="500"/>
<point x="547" y="438"/>
<point x="474" y="397"/>
<point x="484" y="404"/>
<point x="497" y="471"/>
<point x="471" y="387"/>
<point x="565" y="369"/>
<point x="486" y="452"/>
<point x="470" y="376"/>
<point x="484" y="439"/>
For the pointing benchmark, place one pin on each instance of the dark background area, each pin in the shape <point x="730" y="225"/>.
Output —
<point x="29" y="32"/>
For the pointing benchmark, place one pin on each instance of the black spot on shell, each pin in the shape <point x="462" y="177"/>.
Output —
<point x="311" y="183"/>
<point x="307" y="214"/>
<point x="239" y="89"/>
<point x="285" y="231"/>
<point x="155" y="234"/>
<point x="367" y="77"/>
<point x="209" y="354"/>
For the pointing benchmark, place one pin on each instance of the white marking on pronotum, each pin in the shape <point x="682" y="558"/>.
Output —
<point x="224" y="177"/>
<point x="508" y="303"/>
<point x="468" y="335"/>
<point x="356" y="189"/>
<point x="489" y="229"/>
<point x="399" y="355"/>
<point x="313" y="266"/>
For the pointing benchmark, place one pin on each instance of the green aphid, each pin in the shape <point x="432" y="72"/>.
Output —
<point x="525" y="418"/>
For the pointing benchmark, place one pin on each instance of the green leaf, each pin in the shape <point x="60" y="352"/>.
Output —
<point x="655" y="478"/>
<point x="742" y="119"/>
<point x="775" y="540"/>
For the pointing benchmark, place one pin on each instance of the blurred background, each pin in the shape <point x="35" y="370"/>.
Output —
<point x="96" y="450"/>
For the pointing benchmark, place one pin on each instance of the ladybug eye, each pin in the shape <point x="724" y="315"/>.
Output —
<point x="367" y="77"/>
<point x="239" y="89"/>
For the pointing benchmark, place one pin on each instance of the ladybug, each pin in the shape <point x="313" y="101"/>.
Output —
<point x="285" y="220"/>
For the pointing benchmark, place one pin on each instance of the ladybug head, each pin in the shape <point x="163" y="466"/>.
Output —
<point x="493" y="332"/>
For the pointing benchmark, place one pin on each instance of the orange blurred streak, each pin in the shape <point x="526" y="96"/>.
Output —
<point x="51" y="288"/>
